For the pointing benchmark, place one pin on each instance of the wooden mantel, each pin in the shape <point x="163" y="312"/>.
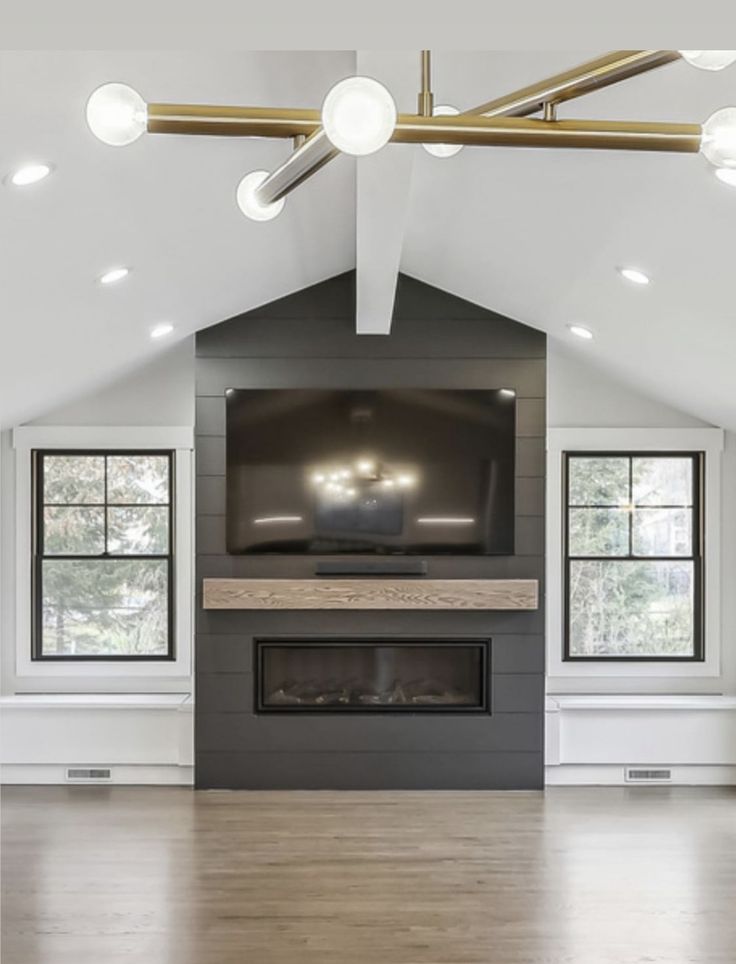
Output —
<point x="383" y="593"/>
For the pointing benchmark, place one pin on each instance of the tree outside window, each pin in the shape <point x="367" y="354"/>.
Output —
<point x="633" y="556"/>
<point x="103" y="559"/>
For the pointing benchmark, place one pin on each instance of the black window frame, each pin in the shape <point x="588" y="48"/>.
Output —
<point x="697" y="559"/>
<point x="38" y="557"/>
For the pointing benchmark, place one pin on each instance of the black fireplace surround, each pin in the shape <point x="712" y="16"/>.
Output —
<point x="370" y="699"/>
<point x="387" y="675"/>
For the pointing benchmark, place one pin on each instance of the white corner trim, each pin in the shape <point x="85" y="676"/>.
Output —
<point x="93" y="673"/>
<point x="561" y="440"/>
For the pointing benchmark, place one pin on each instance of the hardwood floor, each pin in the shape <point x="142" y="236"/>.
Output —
<point x="168" y="876"/>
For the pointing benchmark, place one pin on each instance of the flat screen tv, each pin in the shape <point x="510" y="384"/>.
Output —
<point x="390" y="472"/>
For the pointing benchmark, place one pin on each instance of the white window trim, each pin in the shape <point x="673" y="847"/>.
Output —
<point x="562" y="440"/>
<point x="181" y="441"/>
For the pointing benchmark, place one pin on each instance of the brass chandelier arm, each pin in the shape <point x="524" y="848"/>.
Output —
<point x="285" y="122"/>
<point x="314" y="150"/>
<point x="531" y="132"/>
<point x="411" y="129"/>
<point x="307" y="159"/>
<point x="425" y="101"/>
<point x="312" y="155"/>
<point x="593" y="75"/>
<point x="231" y="121"/>
<point x="202" y="119"/>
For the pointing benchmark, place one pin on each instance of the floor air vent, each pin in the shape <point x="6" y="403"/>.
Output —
<point x="88" y="774"/>
<point x="640" y="775"/>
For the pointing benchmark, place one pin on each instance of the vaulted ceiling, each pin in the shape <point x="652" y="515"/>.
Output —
<point x="534" y="234"/>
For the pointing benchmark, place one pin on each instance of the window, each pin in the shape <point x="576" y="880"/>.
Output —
<point x="103" y="560"/>
<point x="633" y="556"/>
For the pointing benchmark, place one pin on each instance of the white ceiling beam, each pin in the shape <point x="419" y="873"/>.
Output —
<point x="383" y="186"/>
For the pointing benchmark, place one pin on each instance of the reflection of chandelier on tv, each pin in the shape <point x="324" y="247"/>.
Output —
<point x="345" y="482"/>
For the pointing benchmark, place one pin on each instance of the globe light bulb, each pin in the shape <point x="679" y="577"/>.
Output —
<point x="718" y="141"/>
<point x="359" y="116"/>
<point x="249" y="203"/>
<point x="443" y="150"/>
<point x="117" y="114"/>
<point x="726" y="175"/>
<point x="709" y="59"/>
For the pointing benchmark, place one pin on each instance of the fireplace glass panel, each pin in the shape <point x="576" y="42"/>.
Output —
<point x="372" y="676"/>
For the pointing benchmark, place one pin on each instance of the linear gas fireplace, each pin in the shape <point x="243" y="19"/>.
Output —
<point x="372" y="675"/>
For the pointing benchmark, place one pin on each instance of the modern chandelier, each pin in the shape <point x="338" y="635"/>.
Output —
<point x="359" y="117"/>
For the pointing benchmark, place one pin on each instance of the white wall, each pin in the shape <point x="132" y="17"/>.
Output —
<point x="592" y="737"/>
<point x="579" y="396"/>
<point x="161" y="393"/>
<point x="87" y="729"/>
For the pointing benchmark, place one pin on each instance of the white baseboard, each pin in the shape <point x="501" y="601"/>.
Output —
<point x="612" y="775"/>
<point x="55" y="774"/>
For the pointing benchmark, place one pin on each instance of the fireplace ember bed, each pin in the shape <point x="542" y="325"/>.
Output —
<point x="372" y="675"/>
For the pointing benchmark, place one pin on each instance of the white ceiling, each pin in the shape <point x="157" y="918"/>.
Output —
<point x="532" y="234"/>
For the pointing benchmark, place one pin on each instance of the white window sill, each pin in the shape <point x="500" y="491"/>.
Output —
<point x="645" y="702"/>
<point x="108" y="701"/>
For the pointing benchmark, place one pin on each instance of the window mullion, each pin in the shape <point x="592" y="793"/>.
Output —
<point x="105" y="511"/>
<point x="631" y="508"/>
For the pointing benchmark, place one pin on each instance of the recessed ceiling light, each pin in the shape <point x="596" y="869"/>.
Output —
<point x="634" y="275"/>
<point x="507" y="392"/>
<point x="113" y="275"/>
<point x="160" y="331"/>
<point x="30" y="174"/>
<point x="580" y="331"/>
<point x="727" y="175"/>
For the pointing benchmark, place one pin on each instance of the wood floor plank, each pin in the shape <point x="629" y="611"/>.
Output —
<point x="572" y="876"/>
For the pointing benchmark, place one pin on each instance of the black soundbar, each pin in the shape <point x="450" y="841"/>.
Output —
<point x="372" y="567"/>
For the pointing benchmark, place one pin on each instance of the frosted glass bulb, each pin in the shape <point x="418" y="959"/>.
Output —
<point x="727" y="175"/>
<point x="359" y="116"/>
<point x="443" y="150"/>
<point x="718" y="141"/>
<point x="709" y="59"/>
<point x="117" y="114"/>
<point x="249" y="203"/>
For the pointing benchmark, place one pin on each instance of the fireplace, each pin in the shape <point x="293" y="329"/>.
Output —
<point x="264" y="677"/>
<point x="372" y="675"/>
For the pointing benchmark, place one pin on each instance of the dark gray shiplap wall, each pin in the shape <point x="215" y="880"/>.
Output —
<point x="307" y="340"/>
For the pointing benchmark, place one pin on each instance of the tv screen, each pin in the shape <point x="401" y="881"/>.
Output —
<point x="392" y="472"/>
